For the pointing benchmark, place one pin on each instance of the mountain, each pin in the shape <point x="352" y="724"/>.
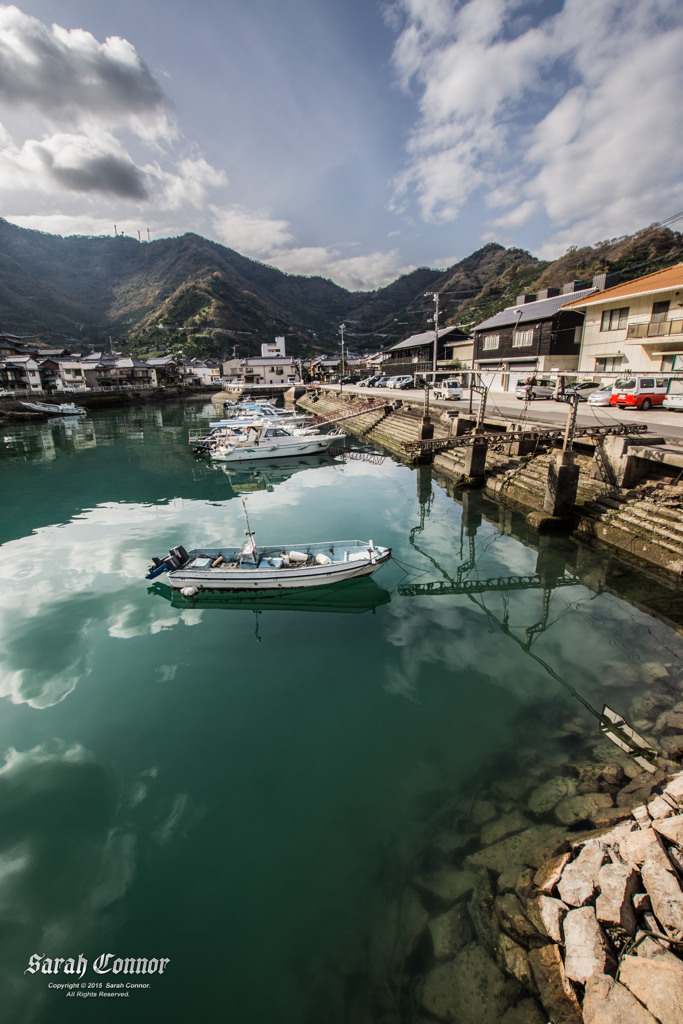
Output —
<point x="192" y="295"/>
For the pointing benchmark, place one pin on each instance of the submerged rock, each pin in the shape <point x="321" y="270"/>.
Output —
<point x="513" y="959"/>
<point x="556" y="991"/>
<point x="528" y="848"/>
<point x="499" y="829"/>
<point x="514" y="921"/>
<point x="448" y="885"/>
<point x="525" y="1012"/>
<point x="468" y="990"/>
<point x="581" y="808"/>
<point x="546" y="796"/>
<point x="481" y="909"/>
<point x="451" y="932"/>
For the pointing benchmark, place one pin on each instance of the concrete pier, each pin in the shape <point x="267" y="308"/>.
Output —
<point x="561" y="486"/>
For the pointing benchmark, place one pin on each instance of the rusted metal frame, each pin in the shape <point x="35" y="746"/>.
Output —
<point x="506" y="436"/>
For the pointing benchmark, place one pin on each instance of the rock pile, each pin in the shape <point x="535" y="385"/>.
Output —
<point x="613" y="905"/>
<point x="514" y="919"/>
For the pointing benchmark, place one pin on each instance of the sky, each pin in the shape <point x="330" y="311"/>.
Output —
<point x="352" y="139"/>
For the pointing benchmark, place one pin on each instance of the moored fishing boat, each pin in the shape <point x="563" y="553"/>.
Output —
<point x="276" y="567"/>
<point x="250" y="569"/>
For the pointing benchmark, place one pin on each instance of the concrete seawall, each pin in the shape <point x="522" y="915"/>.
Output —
<point x="642" y="520"/>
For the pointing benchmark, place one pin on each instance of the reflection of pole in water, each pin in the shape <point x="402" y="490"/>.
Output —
<point x="551" y="573"/>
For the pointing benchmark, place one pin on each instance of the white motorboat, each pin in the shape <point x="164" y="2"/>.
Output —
<point x="223" y="431"/>
<point x="268" y="441"/>
<point x="278" y="567"/>
<point x="65" y="409"/>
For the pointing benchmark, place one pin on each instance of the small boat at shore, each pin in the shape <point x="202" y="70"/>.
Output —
<point x="50" y="409"/>
<point x="251" y="569"/>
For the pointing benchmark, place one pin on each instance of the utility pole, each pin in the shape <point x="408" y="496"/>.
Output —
<point x="342" y="328"/>
<point x="436" y="334"/>
<point x="435" y="296"/>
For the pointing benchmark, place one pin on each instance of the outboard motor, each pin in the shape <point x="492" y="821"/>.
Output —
<point x="180" y="554"/>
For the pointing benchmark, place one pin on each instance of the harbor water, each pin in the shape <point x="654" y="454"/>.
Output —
<point x="235" y="787"/>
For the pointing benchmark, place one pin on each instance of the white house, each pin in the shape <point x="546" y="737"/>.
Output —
<point x="635" y="327"/>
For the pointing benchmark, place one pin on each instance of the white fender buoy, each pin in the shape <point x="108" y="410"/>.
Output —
<point x="189" y="591"/>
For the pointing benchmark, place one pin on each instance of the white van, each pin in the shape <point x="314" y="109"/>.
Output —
<point x="634" y="392"/>
<point x="451" y="388"/>
<point x="674" y="396"/>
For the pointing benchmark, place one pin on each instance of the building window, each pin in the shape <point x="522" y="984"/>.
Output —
<point x="614" y="319"/>
<point x="608" y="363"/>
<point x="491" y="341"/>
<point x="660" y="311"/>
<point x="522" y="338"/>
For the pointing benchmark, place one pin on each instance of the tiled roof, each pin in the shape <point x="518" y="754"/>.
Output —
<point x="661" y="280"/>
<point x="539" y="310"/>
<point x="426" y="338"/>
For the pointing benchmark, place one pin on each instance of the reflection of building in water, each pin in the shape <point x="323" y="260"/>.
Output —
<point x="80" y="432"/>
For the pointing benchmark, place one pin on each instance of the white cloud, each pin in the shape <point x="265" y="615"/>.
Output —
<point x="70" y="76"/>
<point x="257" y="234"/>
<point x="252" y="232"/>
<point x="576" y="118"/>
<point x="356" y="273"/>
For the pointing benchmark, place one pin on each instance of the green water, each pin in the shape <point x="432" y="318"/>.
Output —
<point x="232" y="786"/>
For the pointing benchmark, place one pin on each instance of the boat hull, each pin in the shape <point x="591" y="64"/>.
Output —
<point x="271" y="573"/>
<point x="294" y="446"/>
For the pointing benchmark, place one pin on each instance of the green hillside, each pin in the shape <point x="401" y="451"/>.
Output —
<point x="191" y="295"/>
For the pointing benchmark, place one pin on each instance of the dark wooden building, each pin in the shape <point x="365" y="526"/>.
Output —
<point x="535" y="336"/>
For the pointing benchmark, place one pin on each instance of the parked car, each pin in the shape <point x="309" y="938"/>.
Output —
<point x="582" y="388"/>
<point x="601" y="396"/>
<point x="400" y="382"/>
<point x="352" y="379"/>
<point x="451" y="388"/>
<point x="368" y="382"/>
<point x="638" y="392"/>
<point x="541" y="387"/>
<point x="674" y="395"/>
<point x="382" y="382"/>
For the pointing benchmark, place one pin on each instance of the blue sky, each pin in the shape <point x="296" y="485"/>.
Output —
<point x="346" y="138"/>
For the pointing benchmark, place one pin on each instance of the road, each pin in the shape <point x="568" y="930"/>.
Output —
<point x="503" y="405"/>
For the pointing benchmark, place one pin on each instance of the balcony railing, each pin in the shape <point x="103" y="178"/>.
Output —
<point x="655" y="329"/>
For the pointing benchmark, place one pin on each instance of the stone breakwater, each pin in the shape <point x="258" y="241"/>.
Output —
<point x="642" y="521"/>
<point x="546" y="887"/>
<point x="538" y="924"/>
